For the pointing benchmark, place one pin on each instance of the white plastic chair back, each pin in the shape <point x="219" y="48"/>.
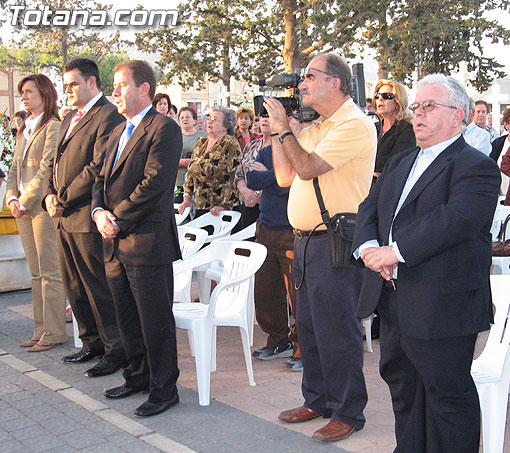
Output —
<point x="191" y="240"/>
<point x="489" y="365"/>
<point x="179" y="218"/>
<point x="221" y="224"/>
<point x="228" y="305"/>
<point x="245" y="233"/>
<point x="491" y="371"/>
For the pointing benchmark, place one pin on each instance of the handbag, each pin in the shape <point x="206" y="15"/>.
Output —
<point x="502" y="246"/>
<point x="340" y="232"/>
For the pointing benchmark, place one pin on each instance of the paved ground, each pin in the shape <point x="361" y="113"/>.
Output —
<point x="48" y="406"/>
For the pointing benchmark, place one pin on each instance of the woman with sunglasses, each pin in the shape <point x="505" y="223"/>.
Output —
<point x="36" y="141"/>
<point x="397" y="135"/>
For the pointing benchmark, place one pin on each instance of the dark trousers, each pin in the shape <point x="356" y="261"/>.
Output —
<point x="330" y="334"/>
<point x="434" y="398"/>
<point x="143" y="298"/>
<point x="273" y="283"/>
<point x="83" y="275"/>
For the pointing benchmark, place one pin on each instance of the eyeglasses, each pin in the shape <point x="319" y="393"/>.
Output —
<point x="429" y="106"/>
<point x="385" y="96"/>
<point x="307" y="75"/>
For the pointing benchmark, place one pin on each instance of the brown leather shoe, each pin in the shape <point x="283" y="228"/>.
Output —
<point x="38" y="347"/>
<point x="299" y="414"/>
<point x="29" y="343"/>
<point x="333" y="431"/>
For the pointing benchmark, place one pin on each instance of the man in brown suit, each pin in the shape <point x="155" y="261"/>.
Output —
<point x="78" y="159"/>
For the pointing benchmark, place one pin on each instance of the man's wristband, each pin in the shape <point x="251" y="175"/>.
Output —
<point x="285" y="134"/>
<point x="275" y="134"/>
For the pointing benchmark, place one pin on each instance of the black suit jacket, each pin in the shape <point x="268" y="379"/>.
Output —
<point x="79" y="159"/>
<point x="442" y="231"/>
<point x="138" y="190"/>
<point x="497" y="147"/>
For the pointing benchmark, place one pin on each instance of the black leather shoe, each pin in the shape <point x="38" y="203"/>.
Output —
<point x="122" y="392"/>
<point x="80" y="357"/>
<point x="104" y="367"/>
<point x="147" y="409"/>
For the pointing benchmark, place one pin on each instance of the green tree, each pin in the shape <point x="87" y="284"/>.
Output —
<point x="250" y="40"/>
<point x="106" y="66"/>
<point x="429" y="36"/>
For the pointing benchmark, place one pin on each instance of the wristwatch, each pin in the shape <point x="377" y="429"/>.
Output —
<point x="285" y="134"/>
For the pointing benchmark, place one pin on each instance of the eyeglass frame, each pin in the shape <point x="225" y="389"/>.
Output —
<point x="307" y="70"/>
<point x="432" y="104"/>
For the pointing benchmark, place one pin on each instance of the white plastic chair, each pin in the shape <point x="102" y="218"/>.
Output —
<point x="207" y="274"/>
<point x="491" y="370"/>
<point x="190" y="240"/>
<point x="228" y="305"/>
<point x="245" y="233"/>
<point x="221" y="224"/>
<point x="179" y="218"/>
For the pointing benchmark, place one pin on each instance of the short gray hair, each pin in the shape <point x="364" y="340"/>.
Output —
<point x="457" y="95"/>
<point x="336" y="66"/>
<point x="229" y="118"/>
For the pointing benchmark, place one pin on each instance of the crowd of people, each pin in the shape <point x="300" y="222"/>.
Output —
<point x="93" y="192"/>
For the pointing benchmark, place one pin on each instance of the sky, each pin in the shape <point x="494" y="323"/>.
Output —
<point x="370" y="65"/>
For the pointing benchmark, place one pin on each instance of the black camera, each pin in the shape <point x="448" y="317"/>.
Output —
<point x="292" y="104"/>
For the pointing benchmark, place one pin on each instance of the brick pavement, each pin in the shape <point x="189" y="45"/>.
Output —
<point x="49" y="406"/>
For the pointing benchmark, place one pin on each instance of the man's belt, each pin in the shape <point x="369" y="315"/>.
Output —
<point x="390" y="285"/>
<point x="304" y="234"/>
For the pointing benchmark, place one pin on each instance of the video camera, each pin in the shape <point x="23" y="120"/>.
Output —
<point x="293" y="104"/>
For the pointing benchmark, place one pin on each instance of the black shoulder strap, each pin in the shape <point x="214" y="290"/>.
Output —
<point x="322" y="206"/>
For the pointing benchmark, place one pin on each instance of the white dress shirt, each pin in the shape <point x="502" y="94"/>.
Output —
<point x="478" y="138"/>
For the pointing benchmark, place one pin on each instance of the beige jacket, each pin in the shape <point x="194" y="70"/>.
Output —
<point x="30" y="163"/>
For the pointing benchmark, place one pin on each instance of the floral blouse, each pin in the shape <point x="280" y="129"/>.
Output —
<point x="210" y="178"/>
<point x="248" y="156"/>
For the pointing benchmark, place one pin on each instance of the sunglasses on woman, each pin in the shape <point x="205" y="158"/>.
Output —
<point x="385" y="96"/>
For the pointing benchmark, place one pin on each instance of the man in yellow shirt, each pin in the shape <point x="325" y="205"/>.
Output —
<point x="339" y="149"/>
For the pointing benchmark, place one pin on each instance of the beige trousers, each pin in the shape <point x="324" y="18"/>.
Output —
<point x="38" y="237"/>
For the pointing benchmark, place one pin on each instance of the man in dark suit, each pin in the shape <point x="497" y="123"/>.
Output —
<point x="133" y="210"/>
<point x="68" y="192"/>
<point x="423" y="234"/>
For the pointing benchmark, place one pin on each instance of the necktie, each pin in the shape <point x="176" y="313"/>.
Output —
<point x="123" y="140"/>
<point x="75" y="119"/>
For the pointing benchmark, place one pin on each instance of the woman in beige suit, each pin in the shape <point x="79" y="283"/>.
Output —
<point x="35" y="145"/>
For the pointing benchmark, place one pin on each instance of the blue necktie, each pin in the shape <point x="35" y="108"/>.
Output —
<point x="123" y="140"/>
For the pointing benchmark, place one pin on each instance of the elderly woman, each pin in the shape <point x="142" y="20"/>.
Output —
<point x="397" y="135"/>
<point x="243" y="132"/>
<point x="210" y="179"/>
<point x="190" y="135"/>
<point x="161" y="102"/>
<point x="250" y="198"/>
<point x="35" y="144"/>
